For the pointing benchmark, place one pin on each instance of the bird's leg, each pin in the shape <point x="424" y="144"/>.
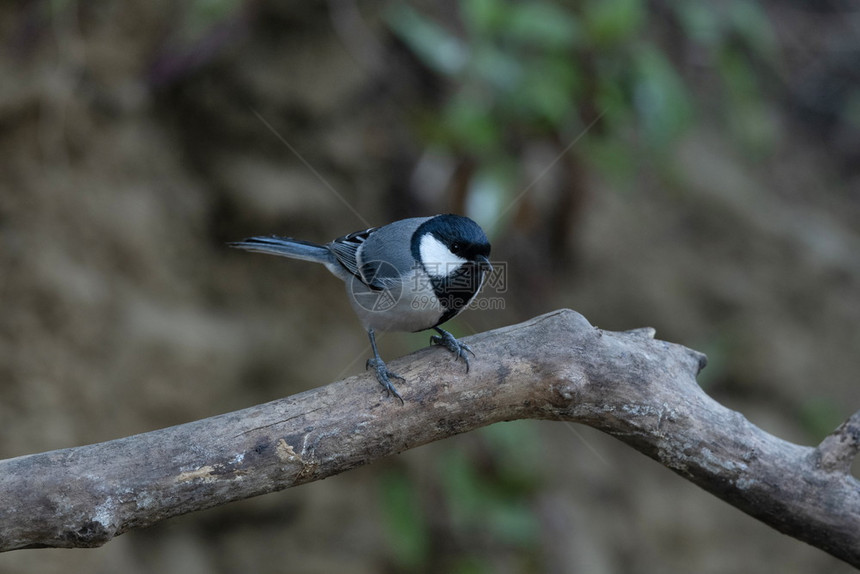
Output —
<point x="447" y="340"/>
<point x="383" y="375"/>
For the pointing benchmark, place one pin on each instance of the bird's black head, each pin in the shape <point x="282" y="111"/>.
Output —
<point x="460" y="236"/>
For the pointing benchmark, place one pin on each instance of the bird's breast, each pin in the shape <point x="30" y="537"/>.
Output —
<point x="409" y="304"/>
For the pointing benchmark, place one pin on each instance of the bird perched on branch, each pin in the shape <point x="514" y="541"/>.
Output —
<point x="410" y="275"/>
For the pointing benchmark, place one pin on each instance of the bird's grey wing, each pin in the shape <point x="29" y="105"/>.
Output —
<point x="345" y="249"/>
<point x="386" y="254"/>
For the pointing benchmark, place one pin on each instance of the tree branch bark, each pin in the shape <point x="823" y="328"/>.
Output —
<point x="557" y="366"/>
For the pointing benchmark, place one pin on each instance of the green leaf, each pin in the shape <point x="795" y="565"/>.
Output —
<point x="470" y="124"/>
<point x="660" y="98"/>
<point x="543" y="25"/>
<point x="851" y="109"/>
<point x="550" y="90"/>
<point x="514" y="524"/>
<point x="500" y="69"/>
<point x="700" y="22"/>
<point x="613" y="158"/>
<point x="613" y="21"/>
<point x="747" y="115"/>
<point x="434" y="45"/>
<point x="483" y="17"/>
<point x="752" y="24"/>
<point x="820" y="416"/>
<point x="406" y="526"/>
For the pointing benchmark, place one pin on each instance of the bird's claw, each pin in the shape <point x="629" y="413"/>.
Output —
<point x="447" y="340"/>
<point x="384" y="376"/>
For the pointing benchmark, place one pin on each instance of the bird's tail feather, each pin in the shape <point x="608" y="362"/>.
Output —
<point x="286" y="247"/>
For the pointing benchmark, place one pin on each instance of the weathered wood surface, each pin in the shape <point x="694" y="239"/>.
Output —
<point x="557" y="366"/>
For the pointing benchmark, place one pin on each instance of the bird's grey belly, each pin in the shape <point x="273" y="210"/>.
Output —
<point x="406" y="307"/>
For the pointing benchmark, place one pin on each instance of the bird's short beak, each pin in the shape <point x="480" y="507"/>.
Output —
<point x="484" y="263"/>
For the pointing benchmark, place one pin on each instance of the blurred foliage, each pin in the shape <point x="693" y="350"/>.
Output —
<point x="819" y="416"/>
<point x="525" y="70"/>
<point x="623" y="80"/>
<point x="484" y="494"/>
<point x="201" y="16"/>
<point x="407" y="530"/>
<point x="493" y="499"/>
<point x="851" y="113"/>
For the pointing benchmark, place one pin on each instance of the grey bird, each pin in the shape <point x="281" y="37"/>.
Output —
<point x="410" y="275"/>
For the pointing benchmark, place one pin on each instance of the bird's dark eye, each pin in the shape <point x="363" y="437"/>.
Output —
<point x="456" y="247"/>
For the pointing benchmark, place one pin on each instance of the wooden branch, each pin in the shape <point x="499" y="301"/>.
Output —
<point x="556" y="366"/>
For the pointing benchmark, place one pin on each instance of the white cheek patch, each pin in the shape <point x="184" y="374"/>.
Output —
<point x="437" y="258"/>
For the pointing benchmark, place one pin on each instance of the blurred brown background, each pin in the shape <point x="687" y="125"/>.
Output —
<point x="695" y="168"/>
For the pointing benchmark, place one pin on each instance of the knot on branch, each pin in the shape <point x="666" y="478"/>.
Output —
<point x="837" y="451"/>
